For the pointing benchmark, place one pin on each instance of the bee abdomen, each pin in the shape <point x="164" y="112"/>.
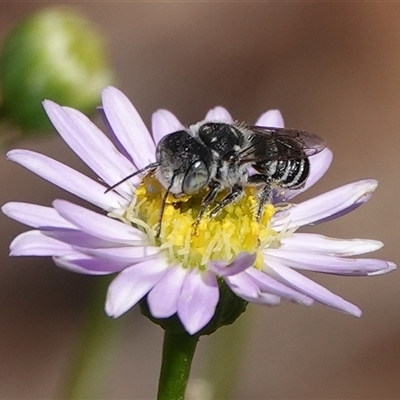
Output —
<point x="290" y="174"/>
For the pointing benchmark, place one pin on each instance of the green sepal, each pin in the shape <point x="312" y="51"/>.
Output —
<point x="228" y="310"/>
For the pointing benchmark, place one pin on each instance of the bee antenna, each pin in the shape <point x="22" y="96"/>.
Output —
<point x="150" y="167"/>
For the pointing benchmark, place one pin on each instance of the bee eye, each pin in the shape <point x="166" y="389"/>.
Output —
<point x="196" y="178"/>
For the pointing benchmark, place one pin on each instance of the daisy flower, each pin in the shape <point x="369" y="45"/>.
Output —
<point x="180" y="272"/>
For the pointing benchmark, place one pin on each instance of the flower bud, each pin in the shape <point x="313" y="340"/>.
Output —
<point x="53" y="54"/>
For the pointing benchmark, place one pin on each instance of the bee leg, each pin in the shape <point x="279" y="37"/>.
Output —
<point x="265" y="194"/>
<point x="162" y="209"/>
<point x="237" y="191"/>
<point x="265" y="197"/>
<point x="215" y="187"/>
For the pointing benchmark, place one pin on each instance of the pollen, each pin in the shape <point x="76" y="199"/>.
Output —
<point x="222" y="237"/>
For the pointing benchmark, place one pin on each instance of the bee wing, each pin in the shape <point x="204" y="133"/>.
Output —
<point x="282" y="144"/>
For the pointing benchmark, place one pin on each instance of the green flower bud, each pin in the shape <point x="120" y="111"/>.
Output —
<point x="53" y="54"/>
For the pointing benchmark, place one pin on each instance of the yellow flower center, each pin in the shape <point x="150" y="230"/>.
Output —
<point x="233" y="231"/>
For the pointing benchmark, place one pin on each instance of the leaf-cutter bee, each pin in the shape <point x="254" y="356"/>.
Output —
<point x="220" y="156"/>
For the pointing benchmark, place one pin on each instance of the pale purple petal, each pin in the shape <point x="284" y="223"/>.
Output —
<point x="99" y="225"/>
<point x="328" y="205"/>
<point x="319" y="164"/>
<point x="78" y="238"/>
<point x="84" y="264"/>
<point x="241" y="262"/>
<point x="130" y="254"/>
<point x="163" y="298"/>
<point x="110" y="164"/>
<point x="199" y="297"/>
<point x="266" y="299"/>
<point x="36" y="216"/>
<point x="35" y="243"/>
<point x="248" y="288"/>
<point x="272" y="286"/>
<point x="61" y="242"/>
<point x="391" y="267"/>
<point x="164" y="122"/>
<point x="91" y="145"/>
<point x="327" y="264"/>
<point x="121" y="149"/>
<point x="314" y="243"/>
<point x="311" y="288"/>
<point x="132" y="284"/>
<point x="271" y="119"/>
<point x="342" y="212"/>
<point x="67" y="178"/>
<point x="243" y="285"/>
<point x="128" y="126"/>
<point x="219" y="114"/>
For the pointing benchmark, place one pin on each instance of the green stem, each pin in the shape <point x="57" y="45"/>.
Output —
<point x="94" y="357"/>
<point x="178" y="351"/>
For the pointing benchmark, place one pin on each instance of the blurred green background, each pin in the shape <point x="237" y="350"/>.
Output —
<point x="331" y="68"/>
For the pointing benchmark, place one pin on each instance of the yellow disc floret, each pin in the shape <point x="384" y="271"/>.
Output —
<point x="234" y="230"/>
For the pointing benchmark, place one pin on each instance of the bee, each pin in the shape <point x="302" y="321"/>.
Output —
<point x="219" y="156"/>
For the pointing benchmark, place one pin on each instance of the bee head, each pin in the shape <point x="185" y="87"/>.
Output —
<point x="185" y="163"/>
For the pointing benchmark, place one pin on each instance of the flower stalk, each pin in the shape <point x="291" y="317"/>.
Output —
<point x="177" y="356"/>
